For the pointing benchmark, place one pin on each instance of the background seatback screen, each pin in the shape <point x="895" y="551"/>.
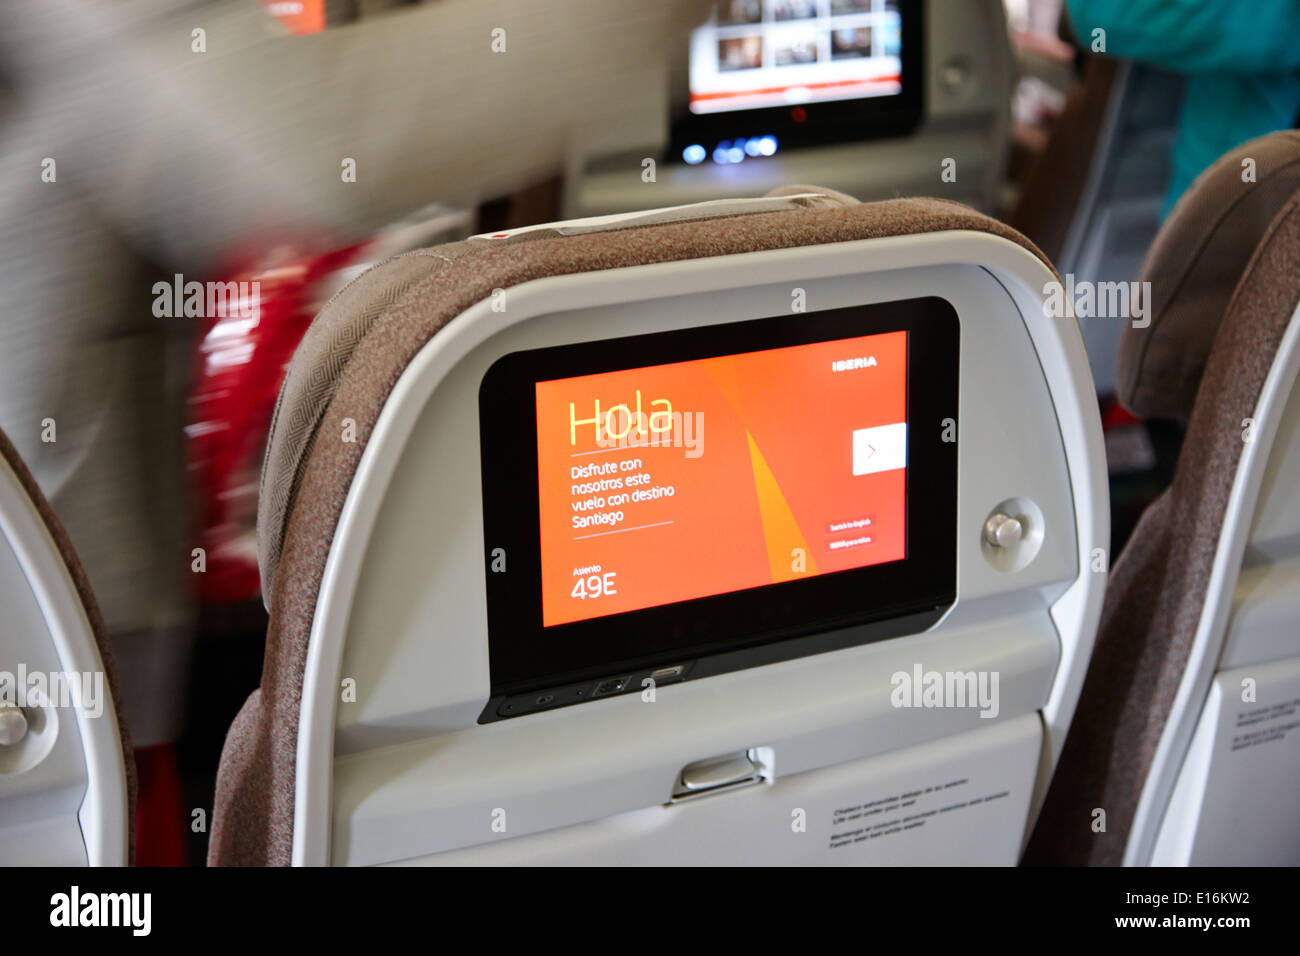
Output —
<point x="764" y="53"/>
<point x="672" y="482"/>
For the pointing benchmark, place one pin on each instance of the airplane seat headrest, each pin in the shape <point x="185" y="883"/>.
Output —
<point x="1195" y="266"/>
<point x="332" y="341"/>
<point x="348" y="365"/>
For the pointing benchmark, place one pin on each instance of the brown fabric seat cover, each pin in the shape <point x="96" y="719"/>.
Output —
<point x="1195" y="265"/>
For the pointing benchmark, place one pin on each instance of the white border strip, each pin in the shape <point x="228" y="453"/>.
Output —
<point x="713" y="208"/>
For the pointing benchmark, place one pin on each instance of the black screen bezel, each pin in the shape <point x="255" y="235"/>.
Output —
<point x="823" y="123"/>
<point x="523" y="655"/>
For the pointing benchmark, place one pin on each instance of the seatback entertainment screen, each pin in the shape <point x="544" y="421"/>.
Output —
<point x="761" y="53"/>
<point x="679" y="504"/>
<point x="671" y="482"/>
<point x="769" y="75"/>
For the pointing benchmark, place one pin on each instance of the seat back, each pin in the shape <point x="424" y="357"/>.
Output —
<point x="969" y="82"/>
<point x="67" y="774"/>
<point x="1184" y="737"/>
<point x="434" y="542"/>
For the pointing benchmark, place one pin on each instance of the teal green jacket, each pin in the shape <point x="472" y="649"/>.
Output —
<point x="1241" y="59"/>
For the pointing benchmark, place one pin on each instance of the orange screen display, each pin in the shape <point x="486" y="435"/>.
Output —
<point x="672" y="482"/>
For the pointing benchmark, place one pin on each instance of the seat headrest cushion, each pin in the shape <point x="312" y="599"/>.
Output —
<point x="1194" y="266"/>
